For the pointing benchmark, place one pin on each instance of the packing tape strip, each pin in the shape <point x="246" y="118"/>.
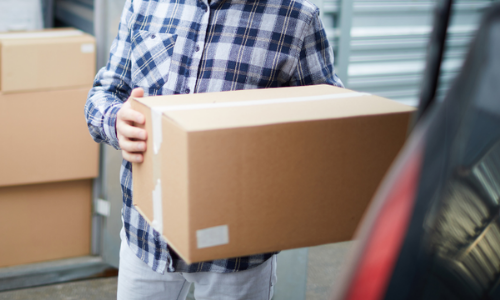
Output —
<point x="157" y="111"/>
<point x="41" y="34"/>
<point x="157" y="208"/>
<point x="156" y="167"/>
<point x="157" y="131"/>
<point x="259" y="102"/>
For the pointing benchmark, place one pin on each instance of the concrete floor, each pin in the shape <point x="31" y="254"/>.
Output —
<point x="94" y="289"/>
<point x="324" y="264"/>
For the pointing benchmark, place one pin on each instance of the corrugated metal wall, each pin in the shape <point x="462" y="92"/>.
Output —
<point x="380" y="46"/>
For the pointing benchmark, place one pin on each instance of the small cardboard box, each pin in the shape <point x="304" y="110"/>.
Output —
<point x="48" y="59"/>
<point x="45" y="138"/>
<point x="238" y="173"/>
<point x="42" y="222"/>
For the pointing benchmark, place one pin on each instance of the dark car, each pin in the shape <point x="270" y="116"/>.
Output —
<point x="433" y="229"/>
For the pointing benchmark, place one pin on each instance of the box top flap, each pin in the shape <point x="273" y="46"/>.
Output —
<point x="209" y="111"/>
<point x="43" y="36"/>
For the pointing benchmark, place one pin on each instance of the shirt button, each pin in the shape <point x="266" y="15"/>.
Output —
<point x="197" y="48"/>
<point x="188" y="91"/>
<point x="153" y="36"/>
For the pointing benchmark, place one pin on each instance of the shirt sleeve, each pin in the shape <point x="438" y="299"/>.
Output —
<point x="112" y="85"/>
<point x="315" y="65"/>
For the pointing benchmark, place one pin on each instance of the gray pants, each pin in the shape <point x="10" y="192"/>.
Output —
<point x="136" y="280"/>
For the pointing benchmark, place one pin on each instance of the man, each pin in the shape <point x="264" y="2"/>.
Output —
<point x="194" y="46"/>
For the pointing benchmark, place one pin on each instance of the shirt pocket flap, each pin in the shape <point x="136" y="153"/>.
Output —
<point x="151" y="56"/>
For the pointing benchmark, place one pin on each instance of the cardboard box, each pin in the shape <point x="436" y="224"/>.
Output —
<point x="49" y="59"/>
<point x="45" y="138"/>
<point x="45" y="222"/>
<point x="238" y="173"/>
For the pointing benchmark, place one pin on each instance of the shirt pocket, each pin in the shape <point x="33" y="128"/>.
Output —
<point x="263" y="65"/>
<point x="269" y="67"/>
<point x="151" y="57"/>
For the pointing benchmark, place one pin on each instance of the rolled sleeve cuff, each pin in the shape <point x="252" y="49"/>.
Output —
<point x="110" y="125"/>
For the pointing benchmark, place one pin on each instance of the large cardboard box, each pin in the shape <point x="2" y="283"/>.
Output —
<point x="48" y="59"/>
<point x="239" y="173"/>
<point x="44" y="222"/>
<point x="45" y="138"/>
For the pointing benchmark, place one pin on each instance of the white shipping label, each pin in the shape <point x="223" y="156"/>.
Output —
<point x="102" y="207"/>
<point x="87" y="48"/>
<point x="157" y="208"/>
<point x="213" y="236"/>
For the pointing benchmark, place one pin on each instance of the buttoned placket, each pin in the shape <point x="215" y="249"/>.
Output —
<point x="197" y="51"/>
<point x="190" y="84"/>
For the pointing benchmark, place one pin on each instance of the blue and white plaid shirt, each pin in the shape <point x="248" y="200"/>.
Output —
<point x="190" y="46"/>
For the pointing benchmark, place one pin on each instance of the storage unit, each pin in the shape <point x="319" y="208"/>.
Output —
<point x="380" y="46"/>
<point x="238" y="173"/>
<point x="102" y="17"/>
<point x="81" y="14"/>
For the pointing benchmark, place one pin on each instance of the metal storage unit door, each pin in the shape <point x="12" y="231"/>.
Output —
<point x="380" y="46"/>
<point x="75" y="13"/>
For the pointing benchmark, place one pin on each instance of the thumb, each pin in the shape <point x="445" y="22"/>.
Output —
<point x="137" y="92"/>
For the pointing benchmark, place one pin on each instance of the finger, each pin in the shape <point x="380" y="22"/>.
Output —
<point x="137" y="92"/>
<point x="128" y="114"/>
<point x="131" y="132"/>
<point x="132" y="157"/>
<point x="132" y="146"/>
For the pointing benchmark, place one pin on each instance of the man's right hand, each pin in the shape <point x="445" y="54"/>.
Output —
<point x="132" y="139"/>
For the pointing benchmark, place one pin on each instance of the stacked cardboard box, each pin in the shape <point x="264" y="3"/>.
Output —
<point x="47" y="158"/>
<point x="238" y="173"/>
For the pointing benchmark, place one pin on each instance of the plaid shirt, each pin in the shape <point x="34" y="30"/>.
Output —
<point x="190" y="46"/>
